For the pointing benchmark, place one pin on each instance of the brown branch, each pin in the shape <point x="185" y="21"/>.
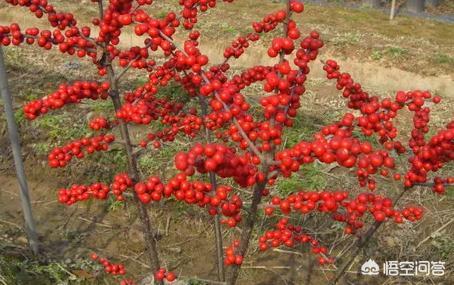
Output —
<point x="217" y="223"/>
<point x="149" y="236"/>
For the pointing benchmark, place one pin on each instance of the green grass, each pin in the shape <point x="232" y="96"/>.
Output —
<point x="310" y="177"/>
<point x="61" y="127"/>
<point x="304" y="128"/>
<point x="19" y="271"/>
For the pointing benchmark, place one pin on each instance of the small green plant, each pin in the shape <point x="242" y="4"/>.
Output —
<point x="376" y="55"/>
<point x="441" y="58"/>
<point x="114" y="205"/>
<point x="396" y="52"/>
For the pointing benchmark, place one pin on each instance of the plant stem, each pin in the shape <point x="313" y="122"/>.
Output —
<point x="248" y="227"/>
<point x="217" y="223"/>
<point x="148" y="233"/>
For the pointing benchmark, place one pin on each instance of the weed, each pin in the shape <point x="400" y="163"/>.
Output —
<point x="396" y="52"/>
<point x="376" y="55"/>
<point x="114" y="205"/>
<point x="441" y="58"/>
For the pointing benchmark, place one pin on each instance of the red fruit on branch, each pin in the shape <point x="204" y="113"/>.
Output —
<point x="245" y="151"/>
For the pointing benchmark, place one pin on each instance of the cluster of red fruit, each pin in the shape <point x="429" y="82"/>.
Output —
<point x="121" y="183"/>
<point x="162" y="274"/>
<point x="114" y="18"/>
<point x="191" y="58"/>
<point x="66" y="94"/>
<point x="143" y="107"/>
<point x="238" y="46"/>
<point x="192" y="192"/>
<point x="217" y="158"/>
<point x="191" y="8"/>
<point x="99" y="123"/>
<point x="136" y="57"/>
<point x="344" y="210"/>
<point x="291" y="236"/>
<point x="439" y="184"/>
<point x="231" y="258"/>
<point x="109" y="268"/>
<point x="71" y="41"/>
<point x="61" y="156"/>
<point x="187" y="124"/>
<point x="150" y="190"/>
<point x="336" y="144"/>
<point x="78" y="193"/>
<point x="157" y="29"/>
<point x="41" y="7"/>
<point x="431" y="156"/>
<point x="99" y="191"/>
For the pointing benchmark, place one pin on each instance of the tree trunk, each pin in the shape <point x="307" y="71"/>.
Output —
<point x="414" y="6"/>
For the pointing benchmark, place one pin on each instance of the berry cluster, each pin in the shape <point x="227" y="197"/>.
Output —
<point x="121" y="183"/>
<point x="66" y="94"/>
<point x="344" y="210"/>
<point x="162" y="274"/>
<point x="99" y="191"/>
<point x="72" y="41"/>
<point x="291" y="236"/>
<point x="78" y="193"/>
<point x="109" y="268"/>
<point x="238" y="46"/>
<point x="41" y="7"/>
<point x="231" y="258"/>
<point x="99" y="123"/>
<point x="220" y="159"/>
<point x="61" y="156"/>
<point x="150" y="190"/>
<point x="336" y="144"/>
<point x="439" y="184"/>
<point x="191" y="9"/>
<point x="431" y="156"/>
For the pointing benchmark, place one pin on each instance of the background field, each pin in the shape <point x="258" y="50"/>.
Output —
<point x="406" y="54"/>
